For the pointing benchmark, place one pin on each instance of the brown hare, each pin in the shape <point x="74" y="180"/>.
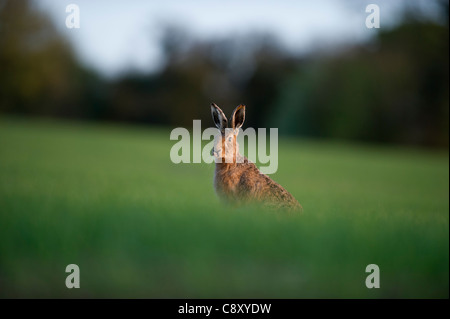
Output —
<point x="236" y="179"/>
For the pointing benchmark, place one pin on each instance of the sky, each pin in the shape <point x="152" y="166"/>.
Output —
<point x="116" y="35"/>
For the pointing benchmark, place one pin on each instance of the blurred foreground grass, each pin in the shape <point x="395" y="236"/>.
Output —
<point x="108" y="199"/>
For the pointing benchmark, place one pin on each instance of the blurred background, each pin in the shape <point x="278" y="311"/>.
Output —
<point x="312" y="70"/>
<point x="85" y="170"/>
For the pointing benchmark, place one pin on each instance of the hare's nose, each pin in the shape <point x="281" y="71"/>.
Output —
<point x="214" y="153"/>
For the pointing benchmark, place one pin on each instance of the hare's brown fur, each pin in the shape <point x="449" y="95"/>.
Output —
<point x="241" y="181"/>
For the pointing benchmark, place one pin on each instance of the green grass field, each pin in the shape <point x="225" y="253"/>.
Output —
<point x="108" y="199"/>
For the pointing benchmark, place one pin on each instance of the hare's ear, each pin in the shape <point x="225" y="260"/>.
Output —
<point x="220" y="120"/>
<point x="238" y="117"/>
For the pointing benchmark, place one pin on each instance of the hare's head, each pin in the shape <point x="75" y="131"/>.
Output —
<point x="226" y="147"/>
